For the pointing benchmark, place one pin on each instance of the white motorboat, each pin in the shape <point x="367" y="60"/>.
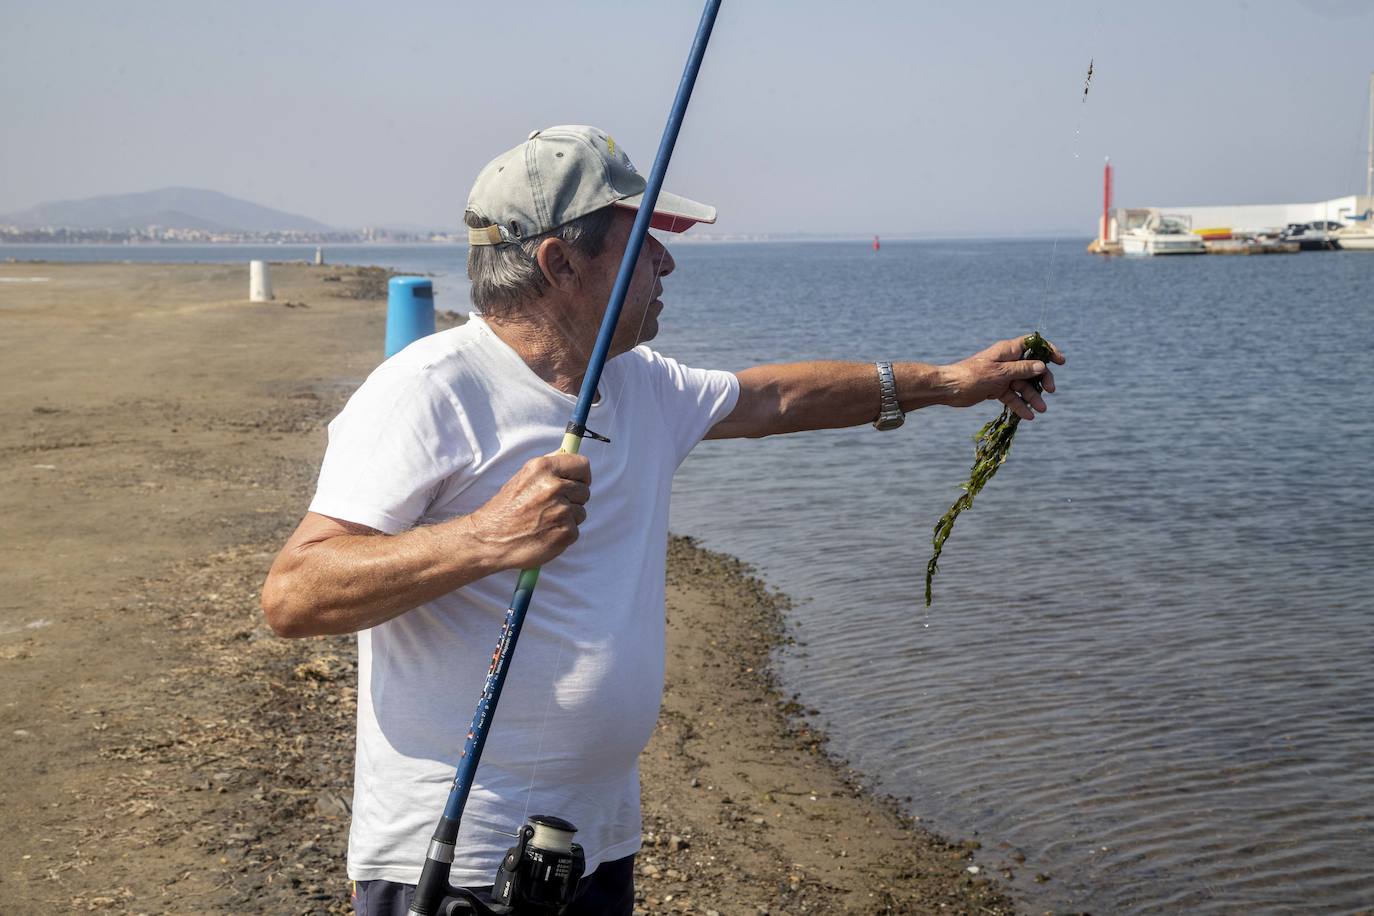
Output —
<point x="1162" y="235"/>
<point x="1353" y="239"/>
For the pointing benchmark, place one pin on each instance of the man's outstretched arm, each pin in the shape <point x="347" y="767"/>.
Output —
<point x="335" y="576"/>
<point x="794" y="397"/>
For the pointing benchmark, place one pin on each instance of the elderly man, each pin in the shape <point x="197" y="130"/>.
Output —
<point x="436" y="489"/>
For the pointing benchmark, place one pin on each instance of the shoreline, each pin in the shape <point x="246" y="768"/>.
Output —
<point x="169" y="754"/>
<point x="766" y="793"/>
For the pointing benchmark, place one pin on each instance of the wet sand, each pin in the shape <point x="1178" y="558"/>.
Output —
<point x="165" y="753"/>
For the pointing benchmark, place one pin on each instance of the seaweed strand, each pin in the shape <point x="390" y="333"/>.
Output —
<point x="991" y="447"/>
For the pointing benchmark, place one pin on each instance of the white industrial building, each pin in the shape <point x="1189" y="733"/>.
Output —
<point x="1352" y="210"/>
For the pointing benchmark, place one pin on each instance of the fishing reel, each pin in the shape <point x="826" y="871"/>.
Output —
<point x="537" y="876"/>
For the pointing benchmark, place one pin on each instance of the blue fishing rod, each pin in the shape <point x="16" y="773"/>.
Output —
<point x="543" y="882"/>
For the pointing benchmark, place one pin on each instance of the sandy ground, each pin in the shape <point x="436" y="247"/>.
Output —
<point x="163" y="752"/>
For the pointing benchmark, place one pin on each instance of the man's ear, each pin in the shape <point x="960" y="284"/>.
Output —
<point x="556" y="263"/>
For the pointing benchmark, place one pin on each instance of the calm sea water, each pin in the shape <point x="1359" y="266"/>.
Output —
<point x="1149" y="667"/>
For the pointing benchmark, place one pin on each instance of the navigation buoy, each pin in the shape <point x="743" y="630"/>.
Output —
<point x="876" y="246"/>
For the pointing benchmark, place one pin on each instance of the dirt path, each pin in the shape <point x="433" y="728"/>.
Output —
<point x="157" y="436"/>
<point x="164" y="753"/>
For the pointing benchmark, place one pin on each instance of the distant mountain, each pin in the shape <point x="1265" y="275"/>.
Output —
<point x="173" y="208"/>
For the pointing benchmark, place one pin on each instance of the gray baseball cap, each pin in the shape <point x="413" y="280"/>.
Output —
<point x="560" y="174"/>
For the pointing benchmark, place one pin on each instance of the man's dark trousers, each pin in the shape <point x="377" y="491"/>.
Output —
<point x="608" y="891"/>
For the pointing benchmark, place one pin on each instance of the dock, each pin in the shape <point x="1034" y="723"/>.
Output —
<point x="1250" y="246"/>
<point x="1214" y="246"/>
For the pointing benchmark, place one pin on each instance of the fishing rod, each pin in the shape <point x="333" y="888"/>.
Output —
<point x="540" y="873"/>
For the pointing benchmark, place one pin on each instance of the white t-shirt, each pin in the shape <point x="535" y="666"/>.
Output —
<point x="432" y="434"/>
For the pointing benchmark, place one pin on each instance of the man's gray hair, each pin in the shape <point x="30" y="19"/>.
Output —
<point x="505" y="276"/>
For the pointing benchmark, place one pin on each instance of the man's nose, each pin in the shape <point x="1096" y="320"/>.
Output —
<point x="663" y="259"/>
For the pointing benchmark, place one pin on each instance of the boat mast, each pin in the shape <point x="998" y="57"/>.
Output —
<point x="1104" y="236"/>
<point x="1369" y="162"/>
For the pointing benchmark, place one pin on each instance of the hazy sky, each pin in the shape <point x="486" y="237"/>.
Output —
<point x="885" y="117"/>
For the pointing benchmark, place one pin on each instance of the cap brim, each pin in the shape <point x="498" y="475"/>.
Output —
<point x="672" y="213"/>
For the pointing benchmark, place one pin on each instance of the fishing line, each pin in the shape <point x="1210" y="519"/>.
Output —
<point x="1077" y="136"/>
<point x="566" y="325"/>
<point x="1054" y="249"/>
<point x="1045" y="296"/>
<point x="539" y="745"/>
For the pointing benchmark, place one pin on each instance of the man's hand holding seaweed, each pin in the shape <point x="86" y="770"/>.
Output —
<point x="999" y="373"/>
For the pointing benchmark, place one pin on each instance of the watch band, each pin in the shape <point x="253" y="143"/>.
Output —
<point x="890" y="414"/>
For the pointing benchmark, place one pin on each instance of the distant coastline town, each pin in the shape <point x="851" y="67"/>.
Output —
<point x="194" y="216"/>
<point x="157" y="235"/>
<point x="161" y="235"/>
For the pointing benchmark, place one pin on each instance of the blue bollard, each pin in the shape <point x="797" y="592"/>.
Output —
<point x="409" y="312"/>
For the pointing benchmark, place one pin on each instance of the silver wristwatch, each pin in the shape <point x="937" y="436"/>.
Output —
<point x="890" y="414"/>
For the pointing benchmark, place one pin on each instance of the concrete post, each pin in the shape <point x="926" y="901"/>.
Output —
<point x="259" y="282"/>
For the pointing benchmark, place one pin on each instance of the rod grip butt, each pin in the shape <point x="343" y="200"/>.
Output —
<point x="432" y="889"/>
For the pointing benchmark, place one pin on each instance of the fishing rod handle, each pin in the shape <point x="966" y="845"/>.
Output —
<point x="433" y="885"/>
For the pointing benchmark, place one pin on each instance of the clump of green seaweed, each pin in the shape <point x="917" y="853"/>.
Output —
<point x="992" y="445"/>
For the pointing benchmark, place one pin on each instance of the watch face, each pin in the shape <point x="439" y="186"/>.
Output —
<point x="886" y="423"/>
